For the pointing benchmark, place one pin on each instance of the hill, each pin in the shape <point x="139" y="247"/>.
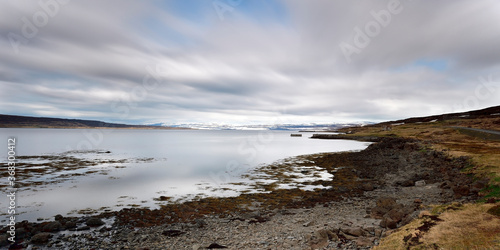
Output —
<point x="490" y="112"/>
<point x="473" y="136"/>
<point x="15" y="121"/>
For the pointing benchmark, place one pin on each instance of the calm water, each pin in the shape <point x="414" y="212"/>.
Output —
<point x="146" y="164"/>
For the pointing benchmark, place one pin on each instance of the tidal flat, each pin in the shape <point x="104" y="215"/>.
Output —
<point x="146" y="168"/>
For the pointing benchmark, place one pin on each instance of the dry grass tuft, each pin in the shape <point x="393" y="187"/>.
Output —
<point x="470" y="227"/>
<point x="396" y="240"/>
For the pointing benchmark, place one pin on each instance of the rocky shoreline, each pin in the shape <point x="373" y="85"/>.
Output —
<point x="373" y="192"/>
<point x="346" y="137"/>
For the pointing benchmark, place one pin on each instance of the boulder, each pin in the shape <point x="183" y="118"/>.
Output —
<point x="357" y="231"/>
<point x="386" y="202"/>
<point x="55" y="226"/>
<point x="461" y="191"/>
<point x="347" y="236"/>
<point x="70" y="225"/>
<point x="83" y="228"/>
<point x="320" y="239"/>
<point x="200" y="223"/>
<point x="21" y="233"/>
<point x="41" y="238"/>
<point x="388" y="223"/>
<point x="378" y="212"/>
<point x="420" y="183"/>
<point x="391" y="212"/>
<point x="216" y="246"/>
<point x="408" y="183"/>
<point x="370" y="231"/>
<point x="446" y="185"/>
<point x="407" y="219"/>
<point x="4" y="240"/>
<point x="384" y="205"/>
<point x="364" y="242"/>
<point x="94" y="222"/>
<point x="396" y="215"/>
<point x="172" y="233"/>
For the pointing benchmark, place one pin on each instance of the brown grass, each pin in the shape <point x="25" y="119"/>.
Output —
<point x="469" y="227"/>
<point x="396" y="239"/>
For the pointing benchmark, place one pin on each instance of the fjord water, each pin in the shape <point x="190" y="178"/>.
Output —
<point x="147" y="164"/>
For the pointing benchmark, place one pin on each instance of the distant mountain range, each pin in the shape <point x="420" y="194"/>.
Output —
<point x="291" y="127"/>
<point x="15" y="121"/>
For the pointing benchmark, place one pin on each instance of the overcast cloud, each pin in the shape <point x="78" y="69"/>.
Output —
<point x="248" y="61"/>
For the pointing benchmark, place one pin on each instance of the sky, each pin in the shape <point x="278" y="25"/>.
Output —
<point x="248" y="61"/>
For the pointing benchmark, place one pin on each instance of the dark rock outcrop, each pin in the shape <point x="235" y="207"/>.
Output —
<point x="94" y="222"/>
<point x="52" y="227"/>
<point x="41" y="238"/>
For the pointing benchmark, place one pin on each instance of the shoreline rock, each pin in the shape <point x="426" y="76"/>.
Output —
<point x="346" y="137"/>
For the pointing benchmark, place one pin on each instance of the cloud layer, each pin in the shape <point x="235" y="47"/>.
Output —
<point x="247" y="61"/>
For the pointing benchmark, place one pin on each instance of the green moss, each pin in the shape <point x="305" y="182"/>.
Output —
<point x="493" y="191"/>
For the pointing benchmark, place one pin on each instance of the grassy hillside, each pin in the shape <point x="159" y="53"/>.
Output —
<point x="14" y="121"/>
<point x="455" y="226"/>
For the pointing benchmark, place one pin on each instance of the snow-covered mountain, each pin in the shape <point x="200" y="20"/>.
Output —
<point x="290" y="127"/>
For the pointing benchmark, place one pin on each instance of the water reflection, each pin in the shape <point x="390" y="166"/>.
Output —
<point x="133" y="167"/>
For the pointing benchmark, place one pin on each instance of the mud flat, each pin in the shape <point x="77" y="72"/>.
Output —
<point x="354" y="199"/>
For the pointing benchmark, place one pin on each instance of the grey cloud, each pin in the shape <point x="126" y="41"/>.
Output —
<point x="93" y="54"/>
